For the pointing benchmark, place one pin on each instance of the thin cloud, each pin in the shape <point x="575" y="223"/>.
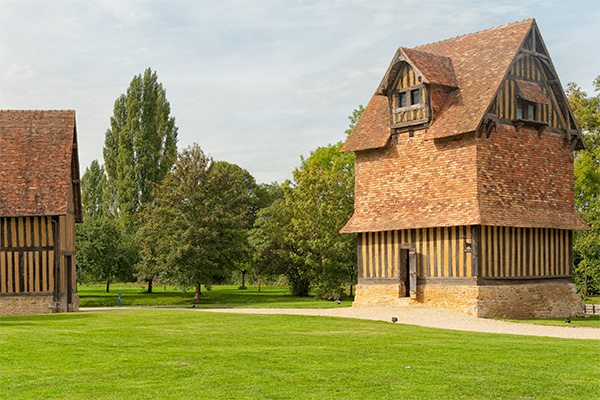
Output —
<point x="257" y="83"/>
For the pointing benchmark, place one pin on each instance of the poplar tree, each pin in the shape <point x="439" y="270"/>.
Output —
<point x="92" y="190"/>
<point x="139" y="148"/>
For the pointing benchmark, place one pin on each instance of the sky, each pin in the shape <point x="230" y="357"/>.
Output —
<point x="255" y="83"/>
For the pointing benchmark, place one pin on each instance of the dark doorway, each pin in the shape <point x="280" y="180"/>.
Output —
<point x="69" y="279"/>
<point x="404" y="273"/>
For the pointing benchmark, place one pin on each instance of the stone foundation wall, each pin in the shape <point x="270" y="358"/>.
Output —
<point x="35" y="304"/>
<point x="24" y="305"/>
<point x="516" y="301"/>
<point x="377" y="295"/>
<point x="461" y="298"/>
<point x="538" y="300"/>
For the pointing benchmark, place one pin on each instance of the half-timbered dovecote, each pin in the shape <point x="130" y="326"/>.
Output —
<point x="464" y="179"/>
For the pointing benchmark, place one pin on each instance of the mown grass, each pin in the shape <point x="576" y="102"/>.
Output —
<point x="592" y="320"/>
<point x="592" y="299"/>
<point x="168" y="354"/>
<point x="225" y="296"/>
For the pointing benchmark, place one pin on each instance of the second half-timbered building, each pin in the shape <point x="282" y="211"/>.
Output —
<point x="40" y="202"/>
<point x="464" y="179"/>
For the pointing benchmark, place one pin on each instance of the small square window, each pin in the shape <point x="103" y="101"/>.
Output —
<point x="402" y="99"/>
<point x="525" y="110"/>
<point x="530" y="111"/>
<point x="415" y="96"/>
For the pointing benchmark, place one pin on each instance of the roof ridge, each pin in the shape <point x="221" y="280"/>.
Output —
<point x="475" y="33"/>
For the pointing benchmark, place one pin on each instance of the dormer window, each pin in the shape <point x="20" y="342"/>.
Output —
<point x="415" y="96"/>
<point x="526" y="110"/>
<point x="407" y="99"/>
<point x="529" y="100"/>
<point x="402" y="99"/>
<point x="411" y="80"/>
<point x="529" y="97"/>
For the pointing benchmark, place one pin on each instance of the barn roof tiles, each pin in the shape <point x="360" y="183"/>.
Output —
<point x="38" y="163"/>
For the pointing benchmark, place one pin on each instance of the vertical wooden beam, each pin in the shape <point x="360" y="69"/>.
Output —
<point x="456" y="247"/>
<point x="475" y="250"/>
<point x="13" y="264"/>
<point x="3" y="273"/>
<point x="390" y="253"/>
<point x="396" y="261"/>
<point x="359" y="254"/>
<point x="429" y="252"/>
<point x="547" y="252"/>
<point x="437" y="262"/>
<point x="419" y="247"/>
<point x="376" y="252"/>
<point x="461" y="251"/>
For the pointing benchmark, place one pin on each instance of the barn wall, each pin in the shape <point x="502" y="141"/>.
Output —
<point x="35" y="253"/>
<point x="440" y="252"/>
<point x="446" y="252"/>
<point x="26" y="255"/>
<point x="486" y="271"/>
<point x="509" y="252"/>
<point x="69" y="300"/>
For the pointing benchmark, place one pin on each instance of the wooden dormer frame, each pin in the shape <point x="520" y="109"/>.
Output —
<point x="413" y="113"/>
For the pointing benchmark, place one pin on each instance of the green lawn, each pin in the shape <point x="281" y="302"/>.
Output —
<point x="169" y="354"/>
<point x="592" y="320"/>
<point x="592" y="300"/>
<point x="225" y="296"/>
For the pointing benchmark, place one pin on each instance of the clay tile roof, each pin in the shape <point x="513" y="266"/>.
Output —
<point x="432" y="68"/>
<point x="372" y="130"/>
<point x="479" y="62"/>
<point x="38" y="163"/>
<point x="531" y="91"/>
<point x="435" y="69"/>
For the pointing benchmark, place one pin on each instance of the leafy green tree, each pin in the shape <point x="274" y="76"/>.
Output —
<point x="586" y="244"/>
<point x="299" y="235"/>
<point x="266" y="195"/>
<point x="275" y="253"/>
<point x="103" y="254"/>
<point x="139" y="148"/>
<point x="354" y="118"/>
<point x="192" y="231"/>
<point x="92" y="190"/>
<point x="322" y="199"/>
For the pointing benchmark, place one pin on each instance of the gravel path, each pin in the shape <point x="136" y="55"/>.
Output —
<point x="414" y="315"/>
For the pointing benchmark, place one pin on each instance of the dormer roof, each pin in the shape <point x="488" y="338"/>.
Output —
<point x="431" y="68"/>
<point x="39" y="164"/>
<point x="472" y="68"/>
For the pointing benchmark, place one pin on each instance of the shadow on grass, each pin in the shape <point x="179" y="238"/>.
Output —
<point x="30" y="320"/>
<point x="225" y="296"/>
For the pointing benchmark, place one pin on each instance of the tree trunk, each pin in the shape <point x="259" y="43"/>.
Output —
<point x="585" y="290"/>
<point x="243" y="278"/>
<point x="198" y="292"/>
<point x="150" y="285"/>
<point x="351" y="290"/>
<point x="107" y="285"/>
<point x="259" y="282"/>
